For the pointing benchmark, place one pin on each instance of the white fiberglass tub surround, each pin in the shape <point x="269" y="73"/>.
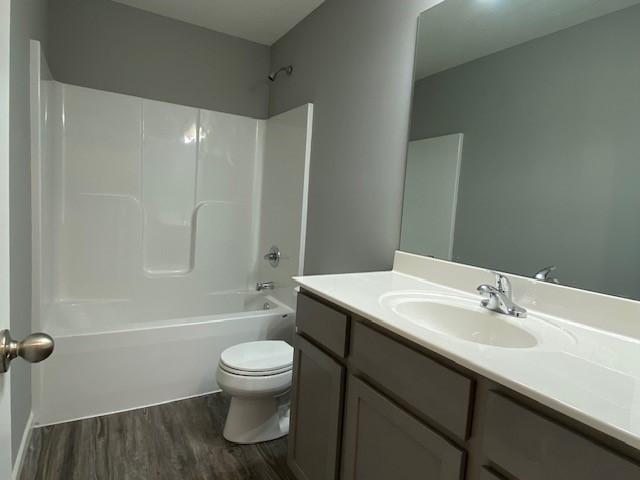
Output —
<point x="150" y="225"/>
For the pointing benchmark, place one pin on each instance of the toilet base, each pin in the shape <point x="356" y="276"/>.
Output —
<point x="257" y="419"/>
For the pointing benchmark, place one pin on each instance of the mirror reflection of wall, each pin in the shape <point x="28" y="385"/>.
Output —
<point x="547" y="97"/>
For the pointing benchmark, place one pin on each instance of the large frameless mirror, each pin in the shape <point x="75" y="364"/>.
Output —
<point x="524" y="149"/>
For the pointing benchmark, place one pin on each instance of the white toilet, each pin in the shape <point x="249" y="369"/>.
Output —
<point x="257" y="376"/>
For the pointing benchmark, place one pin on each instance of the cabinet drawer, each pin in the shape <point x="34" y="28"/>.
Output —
<point x="323" y="324"/>
<point x="529" y="445"/>
<point x="436" y="392"/>
<point x="382" y="442"/>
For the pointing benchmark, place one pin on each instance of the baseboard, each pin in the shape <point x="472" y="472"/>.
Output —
<point x="22" y="451"/>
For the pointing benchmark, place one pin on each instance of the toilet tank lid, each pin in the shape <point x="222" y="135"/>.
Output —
<point x="260" y="356"/>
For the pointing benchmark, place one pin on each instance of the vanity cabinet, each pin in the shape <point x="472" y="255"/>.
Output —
<point x="316" y="413"/>
<point x="382" y="441"/>
<point x="368" y="404"/>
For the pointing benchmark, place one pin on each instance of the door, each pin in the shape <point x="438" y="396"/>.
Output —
<point x="36" y="347"/>
<point x="316" y="413"/>
<point x="5" y="386"/>
<point x="382" y="441"/>
<point x="431" y="196"/>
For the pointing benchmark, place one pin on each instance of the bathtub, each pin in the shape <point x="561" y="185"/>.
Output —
<point x="121" y="355"/>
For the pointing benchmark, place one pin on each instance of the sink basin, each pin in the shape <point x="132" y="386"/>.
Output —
<point x="465" y="319"/>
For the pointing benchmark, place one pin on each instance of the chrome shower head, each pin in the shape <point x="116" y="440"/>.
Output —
<point x="288" y="70"/>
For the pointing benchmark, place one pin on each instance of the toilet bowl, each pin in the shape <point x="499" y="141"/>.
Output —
<point x="257" y="376"/>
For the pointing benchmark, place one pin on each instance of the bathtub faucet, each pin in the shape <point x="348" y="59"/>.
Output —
<point x="264" y="286"/>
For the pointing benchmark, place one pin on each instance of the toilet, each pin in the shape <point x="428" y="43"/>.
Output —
<point x="257" y="376"/>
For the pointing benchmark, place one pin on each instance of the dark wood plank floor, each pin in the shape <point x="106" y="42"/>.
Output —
<point x="181" y="440"/>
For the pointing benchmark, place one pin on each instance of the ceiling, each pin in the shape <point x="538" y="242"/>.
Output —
<point x="262" y="21"/>
<point x="458" y="31"/>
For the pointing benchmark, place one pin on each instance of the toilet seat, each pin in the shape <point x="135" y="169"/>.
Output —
<point x="243" y="373"/>
<point x="258" y="359"/>
<point x="254" y="387"/>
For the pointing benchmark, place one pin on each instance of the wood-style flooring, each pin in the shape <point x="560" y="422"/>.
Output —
<point x="180" y="440"/>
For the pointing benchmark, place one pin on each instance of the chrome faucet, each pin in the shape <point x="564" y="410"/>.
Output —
<point x="546" y="275"/>
<point x="500" y="298"/>
<point x="264" y="286"/>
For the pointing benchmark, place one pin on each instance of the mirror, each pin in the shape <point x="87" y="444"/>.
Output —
<point x="524" y="148"/>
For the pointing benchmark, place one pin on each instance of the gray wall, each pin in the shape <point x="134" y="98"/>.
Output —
<point x="28" y="20"/>
<point x="354" y="60"/>
<point x="109" y="46"/>
<point x="551" y="161"/>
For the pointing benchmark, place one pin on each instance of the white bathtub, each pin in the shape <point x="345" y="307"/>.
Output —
<point x="115" y="356"/>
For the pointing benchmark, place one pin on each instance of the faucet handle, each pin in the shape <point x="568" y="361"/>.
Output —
<point x="273" y="256"/>
<point x="503" y="284"/>
<point x="487" y="290"/>
<point x="490" y="295"/>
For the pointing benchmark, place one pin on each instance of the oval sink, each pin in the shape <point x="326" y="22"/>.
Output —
<point x="467" y="324"/>
<point x="465" y="319"/>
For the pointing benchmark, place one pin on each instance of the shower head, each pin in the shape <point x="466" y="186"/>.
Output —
<point x="288" y="70"/>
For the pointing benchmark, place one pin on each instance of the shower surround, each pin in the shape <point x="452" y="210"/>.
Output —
<point x="150" y="224"/>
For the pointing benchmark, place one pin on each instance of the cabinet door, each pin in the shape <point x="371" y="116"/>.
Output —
<point x="382" y="442"/>
<point x="316" y="413"/>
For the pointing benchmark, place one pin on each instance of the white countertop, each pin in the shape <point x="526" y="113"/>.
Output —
<point x="594" y="379"/>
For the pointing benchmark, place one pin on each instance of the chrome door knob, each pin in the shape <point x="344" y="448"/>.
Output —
<point x="33" y="349"/>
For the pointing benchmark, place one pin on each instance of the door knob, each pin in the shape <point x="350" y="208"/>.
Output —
<point x="33" y="349"/>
